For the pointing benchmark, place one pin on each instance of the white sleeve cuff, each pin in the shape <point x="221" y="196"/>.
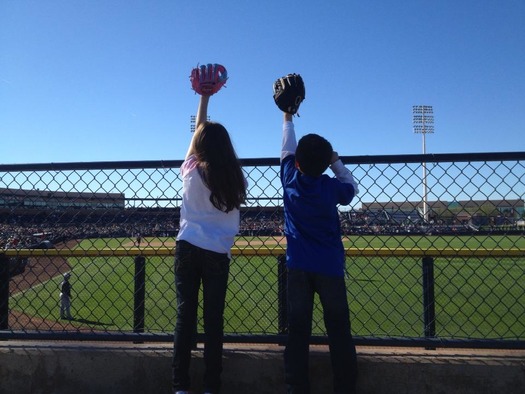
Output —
<point x="344" y="175"/>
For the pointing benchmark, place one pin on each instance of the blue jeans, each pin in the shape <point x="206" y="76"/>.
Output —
<point x="193" y="265"/>
<point x="332" y="293"/>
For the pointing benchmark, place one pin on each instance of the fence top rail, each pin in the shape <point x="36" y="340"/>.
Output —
<point x="270" y="251"/>
<point x="380" y="159"/>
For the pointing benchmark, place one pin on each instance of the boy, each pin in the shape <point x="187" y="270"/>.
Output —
<point x="315" y="256"/>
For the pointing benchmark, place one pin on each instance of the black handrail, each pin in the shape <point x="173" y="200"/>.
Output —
<point x="376" y="159"/>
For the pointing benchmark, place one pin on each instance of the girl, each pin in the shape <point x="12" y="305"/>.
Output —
<point x="214" y="187"/>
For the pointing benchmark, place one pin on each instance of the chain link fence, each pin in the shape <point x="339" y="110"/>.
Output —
<point x="435" y="251"/>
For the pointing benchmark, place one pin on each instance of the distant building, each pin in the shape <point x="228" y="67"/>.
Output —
<point x="46" y="199"/>
<point x="462" y="210"/>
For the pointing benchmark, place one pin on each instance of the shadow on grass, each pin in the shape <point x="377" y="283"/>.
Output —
<point x="90" y="322"/>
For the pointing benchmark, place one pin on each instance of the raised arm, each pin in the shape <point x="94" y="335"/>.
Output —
<point x="289" y="141"/>
<point x="202" y="111"/>
<point x="202" y="116"/>
<point x="342" y="173"/>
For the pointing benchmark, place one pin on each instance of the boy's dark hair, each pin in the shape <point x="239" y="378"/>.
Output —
<point x="313" y="154"/>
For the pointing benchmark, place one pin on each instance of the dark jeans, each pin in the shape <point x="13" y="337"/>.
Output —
<point x="193" y="265"/>
<point x="332" y="293"/>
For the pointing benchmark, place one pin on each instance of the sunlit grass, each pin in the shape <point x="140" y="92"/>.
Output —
<point x="474" y="298"/>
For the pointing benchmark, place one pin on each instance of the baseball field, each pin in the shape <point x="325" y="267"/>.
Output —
<point x="475" y="297"/>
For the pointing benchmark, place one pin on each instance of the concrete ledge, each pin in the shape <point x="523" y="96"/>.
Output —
<point x="64" y="368"/>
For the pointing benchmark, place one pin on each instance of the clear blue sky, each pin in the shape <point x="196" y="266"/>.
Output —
<point x="108" y="79"/>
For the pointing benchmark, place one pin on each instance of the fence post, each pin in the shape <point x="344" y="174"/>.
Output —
<point x="429" y="314"/>
<point x="4" y="291"/>
<point x="281" y="295"/>
<point x="139" y="294"/>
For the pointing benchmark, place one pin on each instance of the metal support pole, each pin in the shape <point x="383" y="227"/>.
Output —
<point x="139" y="294"/>
<point x="429" y="314"/>
<point x="281" y="295"/>
<point x="4" y="291"/>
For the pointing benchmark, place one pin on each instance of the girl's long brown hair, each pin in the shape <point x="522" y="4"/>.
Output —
<point x="219" y="166"/>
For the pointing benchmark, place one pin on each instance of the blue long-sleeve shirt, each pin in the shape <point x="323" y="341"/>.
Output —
<point x="312" y="225"/>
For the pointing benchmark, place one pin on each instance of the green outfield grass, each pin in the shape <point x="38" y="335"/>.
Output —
<point x="475" y="298"/>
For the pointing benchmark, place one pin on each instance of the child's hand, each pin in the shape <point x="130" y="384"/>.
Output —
<point x="335" y="157"/>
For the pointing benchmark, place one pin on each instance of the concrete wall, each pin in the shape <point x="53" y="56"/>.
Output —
<point x="61" y="368"/>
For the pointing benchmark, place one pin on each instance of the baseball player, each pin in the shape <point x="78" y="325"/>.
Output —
<point x="65" y="298"/>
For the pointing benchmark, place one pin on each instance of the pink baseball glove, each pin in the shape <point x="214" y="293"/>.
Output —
<point x="209" y="79"/>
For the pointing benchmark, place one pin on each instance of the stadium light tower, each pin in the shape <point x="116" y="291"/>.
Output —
<point x="423" y="122"/>
<point x="192" y="122"/>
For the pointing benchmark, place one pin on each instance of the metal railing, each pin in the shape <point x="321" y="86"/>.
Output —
<point x="444" y="270"/>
